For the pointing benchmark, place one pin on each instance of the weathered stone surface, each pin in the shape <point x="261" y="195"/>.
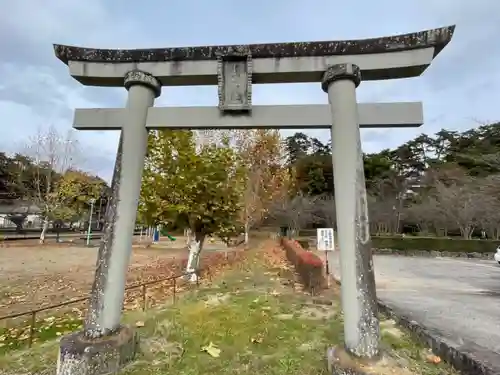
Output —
<point x="96" y="303"/>
<point x="234" y="81"/>
<point x="341" y="363"/>
<point x="437" y="38"/>
<point x="106" y="355"/>
<point x="137" y="77"/>
<point x="368" y="324"/>
<point x="340" y="71"/>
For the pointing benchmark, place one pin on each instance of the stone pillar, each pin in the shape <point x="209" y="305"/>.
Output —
<point x="359" y="301"/>
<point x="116" y="247"/>
<point x="105" y="346"/>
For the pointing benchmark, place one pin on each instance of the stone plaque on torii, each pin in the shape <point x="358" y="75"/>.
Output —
<point x="339" y="66"/>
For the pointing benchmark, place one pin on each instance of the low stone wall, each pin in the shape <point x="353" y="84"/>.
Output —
<point x="433" y="253"/>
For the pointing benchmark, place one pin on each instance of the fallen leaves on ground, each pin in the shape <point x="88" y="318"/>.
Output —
<point x="431" y="358"/>
<point x="67" y="319"/>
<point x="257" y="339"/>
<point x="211" y="349"/>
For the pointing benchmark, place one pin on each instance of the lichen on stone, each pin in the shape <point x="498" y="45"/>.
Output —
<point x="437" y="38"/>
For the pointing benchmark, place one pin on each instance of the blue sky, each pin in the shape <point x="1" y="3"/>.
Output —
<point x="460" y="89"/>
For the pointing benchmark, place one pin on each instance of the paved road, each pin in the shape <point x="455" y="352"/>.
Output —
<point x="460" y="298"/>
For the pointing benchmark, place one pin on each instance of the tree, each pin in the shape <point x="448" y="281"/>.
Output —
<point x="314" y="174"/>
<point x="50" y="155"/>
<point x="311" y="163"/>
<point x="74" y="191"/>
<point x="459" y="204"/>
<point x="262" y="159"/>
<point x="295" y="212"/>
<point x="489" y="205"/>
<point x="474" y="150"/>
<point x="326" y="211"/>
<point x="198" y="185"/>
<point x="423" y="183"/>
<point x="6" y="177"/>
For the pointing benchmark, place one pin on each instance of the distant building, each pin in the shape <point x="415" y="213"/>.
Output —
<point x="20" y="207"/>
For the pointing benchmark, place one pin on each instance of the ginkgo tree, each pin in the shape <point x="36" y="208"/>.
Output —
<point x="198" y="185"/>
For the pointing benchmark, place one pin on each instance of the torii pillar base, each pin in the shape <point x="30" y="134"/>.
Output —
<point x="79" y="355"/>
<point x="340" y="362"/>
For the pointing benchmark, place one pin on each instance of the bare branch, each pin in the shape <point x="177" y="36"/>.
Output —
<point x="52" y="154"/>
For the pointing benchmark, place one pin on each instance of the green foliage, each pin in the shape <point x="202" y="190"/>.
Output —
<point x="434" y="244"/>
<point x="73" y="192"/>
<point x="474" y="150"/>
<point x="437" y="184"/>
<point x="311" y="162"/>
<point x="199" y="186"/>
<point x="63" y="195"/>
<point x="16" y="176"/>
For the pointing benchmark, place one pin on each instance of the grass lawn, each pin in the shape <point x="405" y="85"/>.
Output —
<point x="249" y="320"/>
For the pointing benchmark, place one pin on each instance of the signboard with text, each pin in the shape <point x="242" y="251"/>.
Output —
<point x="325" y="239"/>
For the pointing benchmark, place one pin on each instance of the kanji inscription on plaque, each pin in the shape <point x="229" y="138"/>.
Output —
<point x="235" y="82"/>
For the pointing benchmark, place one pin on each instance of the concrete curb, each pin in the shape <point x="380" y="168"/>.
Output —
<point x="469" y="359"/>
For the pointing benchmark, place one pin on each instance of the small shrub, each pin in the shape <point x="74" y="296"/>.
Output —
<point x="308" y="265"/>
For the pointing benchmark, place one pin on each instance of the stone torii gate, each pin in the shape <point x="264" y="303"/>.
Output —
<point x="104" y="345"/>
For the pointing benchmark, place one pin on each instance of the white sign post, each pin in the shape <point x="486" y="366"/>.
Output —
<point x="325" y="239"/>
<point x="326" y="242"/>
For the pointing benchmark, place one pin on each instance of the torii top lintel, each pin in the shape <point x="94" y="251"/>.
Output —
<point x="434" y="39"/>
<point x="437" y="38"/>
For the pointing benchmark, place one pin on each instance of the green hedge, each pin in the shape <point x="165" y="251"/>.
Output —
<point x="435" y="244"/>
<point x="307" y="233"/>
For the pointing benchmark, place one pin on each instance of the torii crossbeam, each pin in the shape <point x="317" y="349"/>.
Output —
<point x="371" y="115"/>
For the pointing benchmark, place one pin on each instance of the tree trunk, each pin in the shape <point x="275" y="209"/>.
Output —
<point x="189" y="236"/>
<point x="200" y="238"/>
<point x="195" y="246"/>
<point x="247" y="230"/>
<point x="45" y="226"/>
<point x="400" y="209"/>
<point x="424" y="228"/>
<point x="466" y="232"/>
